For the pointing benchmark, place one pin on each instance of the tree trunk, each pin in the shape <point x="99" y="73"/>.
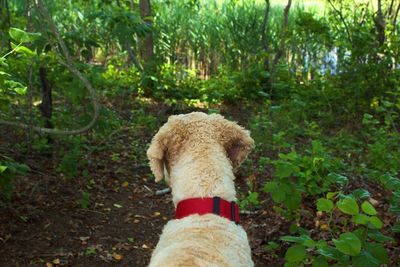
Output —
<point x="146" y="47"/>
<point x="264" y="37"/>
<point x="146" y="44"/>
<point x="380" y="25"/>
<point x="5" y="22"/>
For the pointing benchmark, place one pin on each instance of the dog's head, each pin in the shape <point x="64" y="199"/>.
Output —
<point x="167" y="144"/>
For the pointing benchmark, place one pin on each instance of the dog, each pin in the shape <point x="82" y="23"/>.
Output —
<point x="197" y="154"/>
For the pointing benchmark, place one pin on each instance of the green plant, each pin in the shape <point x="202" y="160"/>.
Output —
<point x="72" y="161"/>
<point x="85" y="200"/>
<point x="249" y="202"/>
<point x="90" y="251"/>
<point x="355" y="238"/>
<point x="8" y="172"/>
<point x="311" y="174"/>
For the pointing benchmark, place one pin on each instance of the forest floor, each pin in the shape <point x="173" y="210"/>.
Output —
<point x="47" y="222"/>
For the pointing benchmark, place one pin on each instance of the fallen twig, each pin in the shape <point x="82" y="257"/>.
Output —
<point x="163" y="191"/>
<point x="145" y="186"/>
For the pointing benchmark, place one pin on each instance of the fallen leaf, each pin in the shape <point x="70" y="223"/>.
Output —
<point x="373" y="201"/>
<point x="84" y="238"/>
<point x="125" y="184"/>
<point x="324" y="227"/>
<point x="48" y="264"/>
<point x="136" y="221"/>
<point x="56" y="261"/>
<point x="117" y="257"/>
<point x="117" y="205"/>
<point x="144" y="246"/>
<point x="157" y="213"/>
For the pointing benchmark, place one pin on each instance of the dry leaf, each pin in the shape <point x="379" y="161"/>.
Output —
<point x="56" y="261"/>
<point x="374" y="202"/>
<point x="157" y="213"/>
<point x="125" y="184"/>
<point x="117" y="257"/>
<point x="144" y="246"/>
<point x="48" y="264"/>
<point x="324" y="227"/>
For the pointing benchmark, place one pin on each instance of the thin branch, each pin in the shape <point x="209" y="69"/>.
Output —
<point x="70" y="65"/>
<point x="281" y="49"/>
<point x="342" y="19"/>
<point x="264" y="29"/>
<point x="396" y="15"/>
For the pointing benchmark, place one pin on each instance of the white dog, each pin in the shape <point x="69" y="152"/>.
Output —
<point x="197" y="154"/>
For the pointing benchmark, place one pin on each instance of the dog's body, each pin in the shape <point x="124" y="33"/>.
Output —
<point x="199" y="153"/>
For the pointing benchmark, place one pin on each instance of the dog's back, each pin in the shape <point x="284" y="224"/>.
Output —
<point x="202" y="241"/>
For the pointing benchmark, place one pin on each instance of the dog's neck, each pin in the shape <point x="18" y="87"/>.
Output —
<point x="207" y="176"/>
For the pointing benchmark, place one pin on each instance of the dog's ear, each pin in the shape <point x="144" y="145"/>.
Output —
<point x="156" y="153"/>
<point x="165" y="139"/>
<point x="235" y="139"/>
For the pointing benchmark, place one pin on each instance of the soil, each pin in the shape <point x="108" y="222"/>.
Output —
<point x="51" y="222"/>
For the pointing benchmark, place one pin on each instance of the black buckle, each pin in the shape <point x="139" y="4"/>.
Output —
<point x="217" y="204"/>
<point x="233" y="217"/>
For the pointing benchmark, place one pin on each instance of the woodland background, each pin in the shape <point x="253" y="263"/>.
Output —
<point x="84" y="85"/>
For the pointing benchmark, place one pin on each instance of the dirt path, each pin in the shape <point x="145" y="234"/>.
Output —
<point x="46" y="222"/>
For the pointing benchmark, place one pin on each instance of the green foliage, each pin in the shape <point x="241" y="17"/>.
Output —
<point x="325" y="117"/>
<point x="363" y="246"/>
<point x="311" y="174"/>
<point x="250" y="201"/>
<point x="72" y="161"/>
<point x="85" y="200"/>
<point x="9" y="170"/>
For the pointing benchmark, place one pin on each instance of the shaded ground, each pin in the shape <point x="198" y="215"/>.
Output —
<point x="46" y="222"/>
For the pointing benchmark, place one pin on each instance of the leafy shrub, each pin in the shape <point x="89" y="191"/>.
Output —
<point x="362" y="246"/>
<point x="8" y="172"/>
<point x="71" y="161"/>
<point x="310" y="174"/>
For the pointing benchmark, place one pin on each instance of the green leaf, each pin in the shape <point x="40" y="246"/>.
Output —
<point x="360" y="193"/>
<point x="277" y="194"/>
<point x="303" y="239"/>
<point x="360" y="219"/>
<point x="25" y="50"/>
<point x="293" y="202"/>
<point x="295" y="253"/>
<point x="3" y="168"/>
<point x="378" y="236"/>
<point x="396" y="227"/>
<point x="365" y="259"/>
<point x="331" y="195"/>
<point x="283" y="169"/>
<point x="271" y="187"/>
<point x="368" y="208"/>
<point x="23" y="36"/>
<point x="320" y="262"/>
<point x="348" y="206"/>
<point x="378" y="251"/>
<point x="324" y="204"/>
<point x="376" y="222"/>
<point x="20" y="90"/>
<point x="348" y="244"/>
<point x="332" y="253"/>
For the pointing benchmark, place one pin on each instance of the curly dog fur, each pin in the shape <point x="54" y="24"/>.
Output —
<point x="197" y="154"/>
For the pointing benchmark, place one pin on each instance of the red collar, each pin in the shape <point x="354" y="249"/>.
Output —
<point x="201" y="206"/>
